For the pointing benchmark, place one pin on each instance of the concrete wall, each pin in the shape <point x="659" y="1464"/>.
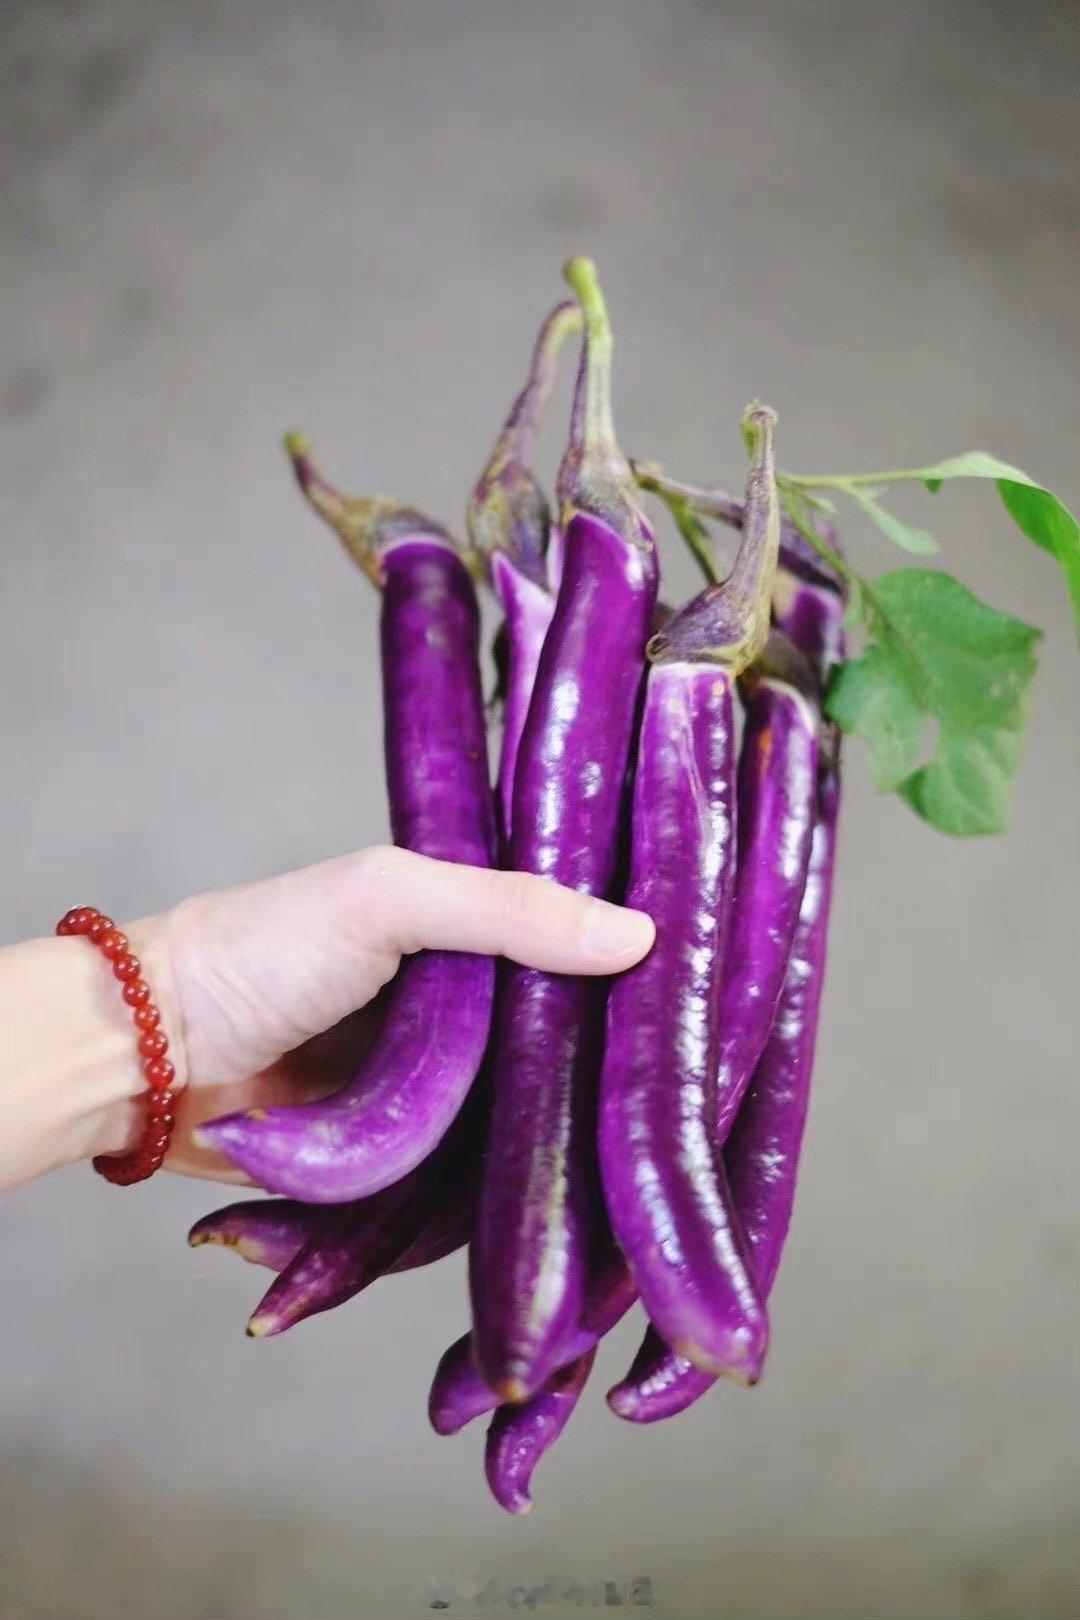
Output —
<point x="220" y="219"/>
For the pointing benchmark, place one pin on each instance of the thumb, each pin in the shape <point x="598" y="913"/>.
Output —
<point x="260" y="969"/>
<point x="412" y="903"/>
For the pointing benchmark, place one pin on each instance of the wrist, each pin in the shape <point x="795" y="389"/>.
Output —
<point x="114" y="1085"/>
<point x="71" y="1078"/>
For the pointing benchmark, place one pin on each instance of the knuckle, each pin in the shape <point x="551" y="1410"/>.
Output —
<point x="378" y="870"/>
<point x="515" y="902"/>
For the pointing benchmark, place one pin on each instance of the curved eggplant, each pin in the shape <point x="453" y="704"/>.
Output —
<point x="459" y="1392"/>
<point x="420" y="1219"/>
<point x="519" y="1437"/>
<point x="416" y="1075"/>
<point x="264" y="1231"/>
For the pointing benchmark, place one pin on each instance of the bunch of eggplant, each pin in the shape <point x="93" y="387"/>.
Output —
<point x="594" y="1144"/>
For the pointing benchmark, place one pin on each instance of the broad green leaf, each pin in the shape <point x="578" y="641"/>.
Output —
<point x="1036" y="512"/>
<point x="939" y="697"/>
<point x="917" y="541"/>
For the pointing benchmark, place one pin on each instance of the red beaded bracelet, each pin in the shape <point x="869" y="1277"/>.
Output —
<point x="124" y="1169"/>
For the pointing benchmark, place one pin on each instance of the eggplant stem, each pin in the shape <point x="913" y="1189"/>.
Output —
<point x="728" y="623"/>
<point x="714" y="503"/>
<point x="593" y="394"/>
<point x="507" y="510"/>
<point x="594" y="474"/>
<point x="515" y="442"/>
<point x="683" y="513"/>
<point x="358" y="521"/>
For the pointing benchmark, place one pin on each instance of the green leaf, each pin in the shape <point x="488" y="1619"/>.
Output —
<point x="917" y="541"/>
<point x="1036" y="512"/>
<point x="939" y="661"/>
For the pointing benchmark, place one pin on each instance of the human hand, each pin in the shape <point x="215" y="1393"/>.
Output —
<point x="266" y="990"/>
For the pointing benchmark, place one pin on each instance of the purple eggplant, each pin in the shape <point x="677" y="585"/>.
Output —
<point x="659" y="1385"/>
<point x="762" y="1152"/>
<point x="458" y="1391"/>
<point x="264" y="1231"/>
<point x="529" y="1254"/>
<point x="663" y="1182"/>
<point x="761" y="1155"/>
<point x="271" y="1232"/>
<point x="426" y="1056"/>
<point x="776" y="784"/>
<point x="347" y="1253"/>
<point x="520" y="1436"/>
<point x="510" y="529"/>
<point x="421" y="1218"/>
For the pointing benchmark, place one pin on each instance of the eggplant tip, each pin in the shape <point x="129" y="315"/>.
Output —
<point x="512" y="1390"/>
<point x="512" y="1496"/>
<point x="741" y="1363"/>
<point x="296" y="443"/>
<point x="261" y="1327"/>
<point x="621" y="1400"/>
<point x="203" y="1136"/>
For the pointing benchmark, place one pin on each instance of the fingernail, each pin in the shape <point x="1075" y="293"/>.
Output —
<point x="614" y="934"/>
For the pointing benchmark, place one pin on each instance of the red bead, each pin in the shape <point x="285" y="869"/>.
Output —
<point x="100" y="925"/>
<point x="159" y="1106"/>
<point x="123" y="1169"/>
<point x="159" y="1073"/>
<point x="76" y="921"/>
<point x="127" y="967"/>
<point x="113" y="944"/>
<point x="136" y="993"/>
<point x="155" y="1043"/>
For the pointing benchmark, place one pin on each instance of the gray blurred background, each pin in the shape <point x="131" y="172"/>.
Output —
<point x="218" y="219"/>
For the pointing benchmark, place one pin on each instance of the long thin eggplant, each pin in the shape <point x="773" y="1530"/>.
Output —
<point x="529" y="1256"/>
<point x="762" y="1151"/>
<point x="459" y="1392"/>
<point x="419" y="1219"/>
<point x="264" y="1231"/>
<point x="663" y="1182"/>
<point x="777" y="772"/>
<point x="511" y="531"/>
<point x="426" y="1056"/>
<point x="347" y="1254"/>
<point x="519" y="1437"/>
<point x="271" y="1232"/>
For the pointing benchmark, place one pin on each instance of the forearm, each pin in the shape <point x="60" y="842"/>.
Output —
<point x="70" y="1078"/>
